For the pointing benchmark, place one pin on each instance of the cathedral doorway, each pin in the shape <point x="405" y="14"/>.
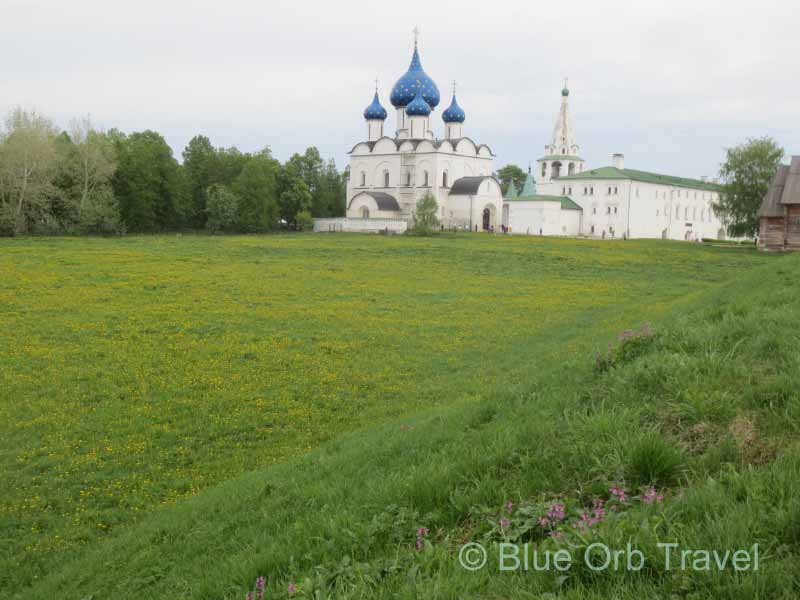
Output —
<point x="488" y="218"/>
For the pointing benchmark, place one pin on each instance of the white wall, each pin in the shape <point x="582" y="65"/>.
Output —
<point x="643" y="210"/>
<point x="542" y="217"/>
<point x="360" y="225"/>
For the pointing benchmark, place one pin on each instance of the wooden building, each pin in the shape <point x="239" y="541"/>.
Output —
<point x="779" y="217"/>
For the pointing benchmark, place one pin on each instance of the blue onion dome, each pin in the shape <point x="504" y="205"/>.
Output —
<point x="454" y="113"/>
<point x="415" y="79"/>
<point x="375" y="110"/>
<point x="418" y="107"/>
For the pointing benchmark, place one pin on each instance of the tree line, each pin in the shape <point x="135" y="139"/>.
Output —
<point x="86" y="180"/>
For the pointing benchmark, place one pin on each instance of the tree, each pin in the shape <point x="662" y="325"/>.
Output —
<point x="149" y="183"/>
<point x="332" y="193"/>
<point x="746" y="174"/>
<point x="203" y="169"/>
<point x="304" y="221"/>
<point x="222" y="209"/>
<point x="257" y="189"/>
<point x="27" y="167"/>
<point x="87" y="165"/>
<point x="425" y="221"/>
<point x="296" y="198"/>
<point x="511" y="173"/>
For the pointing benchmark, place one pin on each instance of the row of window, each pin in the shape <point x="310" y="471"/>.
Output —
<point x="610" y="210"/>
<point x="407" y="182"/>
<point x="705" y="214"/>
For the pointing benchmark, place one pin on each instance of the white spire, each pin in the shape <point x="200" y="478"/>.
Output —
<point x="564" y="133"/>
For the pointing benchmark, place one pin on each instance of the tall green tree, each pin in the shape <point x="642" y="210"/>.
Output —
<point x="203" y="166"/>
<point x="222" y="209"/>
<point x="28" y="163"/>
<point x="511" y="173"/>
<point x="295" y="198"/>
<point x="88" y="168"/>
<point x="150" y="184"/>
<point x="746" y="174"/>
<point x="257" y="190"/>
<point x="332" y="192"/>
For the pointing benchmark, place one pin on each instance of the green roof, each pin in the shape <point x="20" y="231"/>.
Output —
<point x="529" y="189"/>
<point x="643" y="176"/>
<point x="512" y="190"/>
<point x="560" y="157"/>
<point x="566" y="202"/>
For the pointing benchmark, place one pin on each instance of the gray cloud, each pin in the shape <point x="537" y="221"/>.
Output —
<point x="670" y="84"/>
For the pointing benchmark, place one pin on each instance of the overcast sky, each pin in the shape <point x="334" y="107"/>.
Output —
<point x="668" y="83"/>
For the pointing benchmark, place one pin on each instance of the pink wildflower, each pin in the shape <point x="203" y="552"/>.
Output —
<point x="504" y="523"/>
<point x="421" y="533"/>
<point x="292" y="588"/>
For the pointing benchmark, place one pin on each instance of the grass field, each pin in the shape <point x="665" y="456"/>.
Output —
<point x="181" y="414"/>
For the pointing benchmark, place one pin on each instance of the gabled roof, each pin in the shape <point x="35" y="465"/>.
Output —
<point x="643" y="176"/>
<point x="783" y="189"/>
<point x="566" y="202"/>
<point x="382" y="199"/>
<point x="791" y="191"/>
<point x="468" y="186"/>
<point x="771" y="204"/>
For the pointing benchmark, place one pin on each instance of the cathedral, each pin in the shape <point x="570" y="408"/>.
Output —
<point x="391" y="170"/>
<point x="389" y="173"/>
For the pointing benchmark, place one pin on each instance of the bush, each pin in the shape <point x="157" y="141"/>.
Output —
<point x="425" y="221"/>
<point x="304" y="221"/>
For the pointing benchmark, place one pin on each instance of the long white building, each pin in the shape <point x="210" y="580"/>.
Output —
<point x="613" y="201"/>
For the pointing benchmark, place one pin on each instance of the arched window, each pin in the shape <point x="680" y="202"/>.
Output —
<point x="694" y="214"/>
<point x="702" y="214"/>
<point x="363" y="179"/>
<point x="408" y="179"/>
<point x="686" y="214"/>
<point x="678" y="211"/>
<point x="571" y="169"/>
<point x="444" y="179"/>
<point x="386" y="179"/>
<point x="425" y="178"/>
<point x="544" y="169"/>
<point x="556" y="170"/>
<point x="563" y="150"/>
<point x="364" y="212"/>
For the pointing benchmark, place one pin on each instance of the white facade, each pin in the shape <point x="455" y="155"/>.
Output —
<point x="408" y="169"/>
<point x="620" y="202"/>
<point x="541" y="217"/>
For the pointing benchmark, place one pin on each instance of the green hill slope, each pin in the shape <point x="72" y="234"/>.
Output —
<point x="705" y="409"/>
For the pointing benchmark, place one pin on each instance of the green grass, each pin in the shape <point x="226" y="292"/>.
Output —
<point x="181" y="414"/>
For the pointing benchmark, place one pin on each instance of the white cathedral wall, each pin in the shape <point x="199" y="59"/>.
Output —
<point x="462" y="162"/>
